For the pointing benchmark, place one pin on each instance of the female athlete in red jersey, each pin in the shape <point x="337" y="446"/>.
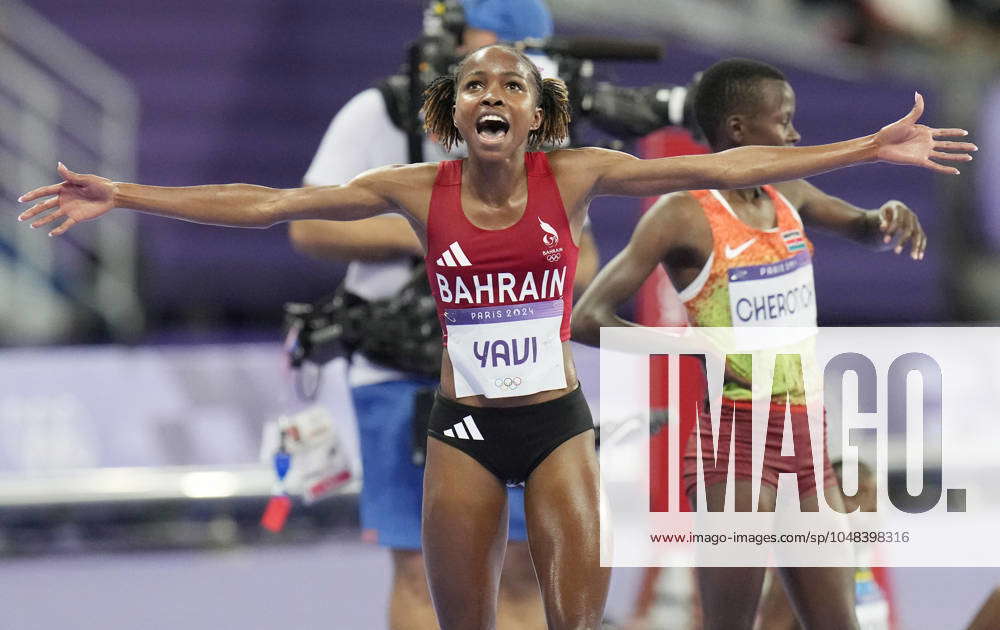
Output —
<point x="499" y="105"/>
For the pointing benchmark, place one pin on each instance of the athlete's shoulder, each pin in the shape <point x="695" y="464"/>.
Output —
<point x="408" y="186"/>
<point x="585" y="157"/>
<point x="679" y="209"/>
<point x="679" y="223"/>
<point x="577" y="170"/>
<point x="408" y="174"/>
<point x="796" y="192"/>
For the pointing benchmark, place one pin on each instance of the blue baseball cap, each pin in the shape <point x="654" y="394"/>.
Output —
<point x="511" y="20"/>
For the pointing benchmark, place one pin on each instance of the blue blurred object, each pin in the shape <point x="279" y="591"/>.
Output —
<point x="511" y="20"/>
<point x="282" y="462"/>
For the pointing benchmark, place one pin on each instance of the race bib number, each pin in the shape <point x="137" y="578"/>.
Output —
<point x="504" y="351"/>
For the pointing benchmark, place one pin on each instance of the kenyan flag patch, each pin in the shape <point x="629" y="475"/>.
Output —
<point x="794" y="240"/>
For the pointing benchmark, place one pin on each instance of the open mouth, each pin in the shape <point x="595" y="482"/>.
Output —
<point x="492" y="128"/>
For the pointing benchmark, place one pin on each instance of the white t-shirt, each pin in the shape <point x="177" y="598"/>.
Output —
<point x="362" y="137"/>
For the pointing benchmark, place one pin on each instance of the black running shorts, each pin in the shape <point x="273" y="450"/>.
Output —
<point x="510" y="441"/>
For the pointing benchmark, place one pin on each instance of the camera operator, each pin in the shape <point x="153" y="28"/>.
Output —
<point x="390" y="404"/>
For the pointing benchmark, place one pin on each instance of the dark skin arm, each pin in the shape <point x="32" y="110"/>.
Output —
<point x="79" y="198"/>
<point x="902" y="142"/>
<point x="653" y="240"/>
<point x="674" y="231"/>
<point x="892" y="226"/>
<point x="369" y="240"/>
<point x="390" y="237"/>
<point x="587" y="262"/>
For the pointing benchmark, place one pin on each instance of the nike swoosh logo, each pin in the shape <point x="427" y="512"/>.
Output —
<point x="734" y="252"/>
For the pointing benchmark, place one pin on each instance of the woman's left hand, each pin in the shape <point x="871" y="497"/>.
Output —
<point x="906" y="142"/>
<point x="899" y="225"/>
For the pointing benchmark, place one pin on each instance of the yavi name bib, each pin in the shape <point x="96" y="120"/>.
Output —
<point x="504" y="351"/>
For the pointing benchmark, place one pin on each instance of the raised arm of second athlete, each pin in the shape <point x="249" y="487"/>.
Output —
<point x="676" y="233"/>
<point x="893" y="225"/>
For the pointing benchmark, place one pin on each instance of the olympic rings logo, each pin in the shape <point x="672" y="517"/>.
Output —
<point x="553" y="257"/>
<point x="507" y="384"/>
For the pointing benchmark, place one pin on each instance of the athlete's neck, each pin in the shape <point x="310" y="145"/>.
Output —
<point x="753" y="207"/>
<point x="496" y="181"/>
<point x="748" y="195"/>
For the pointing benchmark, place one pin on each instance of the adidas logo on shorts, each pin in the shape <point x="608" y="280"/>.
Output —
<point x="459" y="430"/>
<point x="453" y="257"/>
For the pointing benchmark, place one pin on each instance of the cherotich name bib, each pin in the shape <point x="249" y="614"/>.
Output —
<point x="774" y="294"/>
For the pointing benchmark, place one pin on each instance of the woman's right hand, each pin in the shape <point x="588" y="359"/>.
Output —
<point x="78" y="198"/>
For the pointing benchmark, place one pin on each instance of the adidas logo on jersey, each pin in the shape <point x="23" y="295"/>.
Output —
<point x="459" y="430"/>
<point x="453" y="257"/>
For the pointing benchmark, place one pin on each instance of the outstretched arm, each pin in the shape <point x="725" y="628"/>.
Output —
<point x="892" y="226"/>
<point x="620" y="279"/>
<point x="81" y="198"/>
<point x="902" y="142"/>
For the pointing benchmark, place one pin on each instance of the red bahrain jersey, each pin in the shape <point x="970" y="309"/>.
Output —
<point x="530" y="262"/>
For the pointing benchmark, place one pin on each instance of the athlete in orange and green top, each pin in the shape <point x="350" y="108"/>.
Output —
<point x="754" y="277"/>
<point x="740" y="257"/>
